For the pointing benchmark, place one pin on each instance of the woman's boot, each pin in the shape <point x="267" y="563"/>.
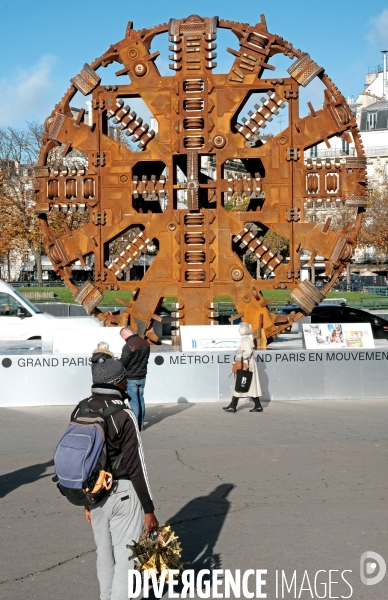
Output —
<point x="257" y="407"/>
<point x="232" y="406"/>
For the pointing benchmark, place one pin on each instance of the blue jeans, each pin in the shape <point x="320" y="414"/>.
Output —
<point x="135" y="391"/>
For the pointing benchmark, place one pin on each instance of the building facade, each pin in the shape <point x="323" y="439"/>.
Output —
<point x="370" y="109"/>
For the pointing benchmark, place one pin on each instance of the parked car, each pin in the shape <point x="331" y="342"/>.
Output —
<point x="330" y="313"/>
<point x="347" y="314"/>
<point x="341" y="301"/>
<point x="286" y="310"/>
<point x="21" y="320"/>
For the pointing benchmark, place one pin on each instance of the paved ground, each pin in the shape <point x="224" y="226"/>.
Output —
<point x="302" y="486"/>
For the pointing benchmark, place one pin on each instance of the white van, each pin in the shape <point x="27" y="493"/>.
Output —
<point x="21" y="320"/>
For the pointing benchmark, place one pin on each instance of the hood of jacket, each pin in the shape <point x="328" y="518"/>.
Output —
<point x="100" y="356"/>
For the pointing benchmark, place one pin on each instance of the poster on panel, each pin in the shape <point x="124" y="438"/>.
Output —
<point x="338" y="335"/>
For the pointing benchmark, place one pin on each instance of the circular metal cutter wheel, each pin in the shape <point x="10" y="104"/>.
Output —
<point x="135" y="195"/>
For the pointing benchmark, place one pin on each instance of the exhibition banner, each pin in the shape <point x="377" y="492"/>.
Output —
<point x="338" y="335"/>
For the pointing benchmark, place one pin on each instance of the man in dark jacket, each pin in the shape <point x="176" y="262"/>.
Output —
<point x="134" y="356"/>
<point x="123" y="514"/>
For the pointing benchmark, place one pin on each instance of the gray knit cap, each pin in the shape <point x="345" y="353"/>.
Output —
<point x="109" y="371"/>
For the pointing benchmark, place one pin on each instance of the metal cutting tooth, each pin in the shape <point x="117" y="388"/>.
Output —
<point x="131" y="124"/>
<point x="263" y="113"/>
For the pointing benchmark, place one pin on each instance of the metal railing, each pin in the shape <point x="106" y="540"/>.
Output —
<point x="375" y="69"/>
<point x="230" y="163"/>
<point x="369" y="304"/>
<point x="39" y="295"/>
<point x="339" y="153"/>
<point x="63" y="309"/>
<point x="224" y="310"/>
<point x="17" y="284"/>
<point x="378" y="290"/>
<point x="333" y="153"/>
<point x="376" y="151"/>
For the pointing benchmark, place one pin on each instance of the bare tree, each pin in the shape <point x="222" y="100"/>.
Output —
<point x="19" y="151"/>
<point x="375" y="228"/>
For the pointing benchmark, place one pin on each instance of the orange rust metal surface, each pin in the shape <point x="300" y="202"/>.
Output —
<point x="136" y="193"/>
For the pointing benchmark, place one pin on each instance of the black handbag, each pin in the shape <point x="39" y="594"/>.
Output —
<point x="239" y="364"/>
<point x="243" y="381"/>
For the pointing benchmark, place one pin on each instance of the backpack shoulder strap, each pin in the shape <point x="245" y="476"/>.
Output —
<point x="113" y="409"/>
<point x="82" y="408"/>
<point x="109" y="412"/>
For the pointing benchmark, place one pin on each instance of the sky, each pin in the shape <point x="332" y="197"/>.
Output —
<point x="44" y="44"/>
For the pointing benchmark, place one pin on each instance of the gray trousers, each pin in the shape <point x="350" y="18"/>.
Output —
<point x="117" y="520"/>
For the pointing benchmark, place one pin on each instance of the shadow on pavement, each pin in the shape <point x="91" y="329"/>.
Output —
<point x="157" y="413"/>
<point x="199" y="525"/>
<point x="11" y="481"/>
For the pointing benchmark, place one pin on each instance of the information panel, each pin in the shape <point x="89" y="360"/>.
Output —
<point x="209" y="337"/>
<point x="338" y="335"/>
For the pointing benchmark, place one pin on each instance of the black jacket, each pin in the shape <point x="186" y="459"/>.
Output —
<point x="134" y="356"/>
<point x="123" y="437"/>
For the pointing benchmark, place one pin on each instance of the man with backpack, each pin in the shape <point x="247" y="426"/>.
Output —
<point x="134" y="356"/>
<point x="126" y="507"/>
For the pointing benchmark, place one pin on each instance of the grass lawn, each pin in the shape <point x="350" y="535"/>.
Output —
<point x="279" y="296"/>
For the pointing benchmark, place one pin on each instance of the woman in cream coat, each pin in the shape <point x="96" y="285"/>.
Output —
<point x="245" y="353"/>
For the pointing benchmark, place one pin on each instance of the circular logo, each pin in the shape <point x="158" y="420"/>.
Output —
<point x="6" y="362"/>
<point x="368" y="565"/>
<point x="159" y="360"/>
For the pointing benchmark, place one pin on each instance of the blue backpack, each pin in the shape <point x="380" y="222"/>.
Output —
<point x="83" y="472"/>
